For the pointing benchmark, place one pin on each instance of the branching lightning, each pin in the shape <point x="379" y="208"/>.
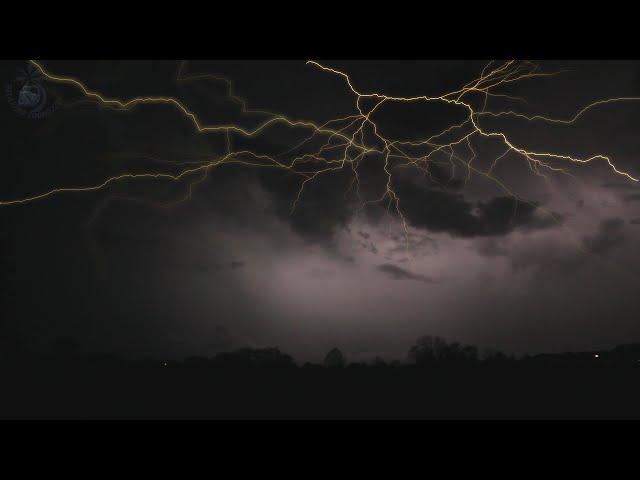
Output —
<point x="347" y="142"/>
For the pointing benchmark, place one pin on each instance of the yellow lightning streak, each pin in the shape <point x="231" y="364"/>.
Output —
<point x="358" y="136"/>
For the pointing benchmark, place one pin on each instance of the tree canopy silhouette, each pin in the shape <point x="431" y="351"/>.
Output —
<point x="335" y="359"/>
<point x="430" y="350"/>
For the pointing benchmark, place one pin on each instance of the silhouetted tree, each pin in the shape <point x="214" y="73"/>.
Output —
<point x="491" y="355"/>
<point x="457" y="352"/>
<point x="379" y="362"/>
<point x="222" y="340"/>
<point x="429" y="350"/>
<point x="626" y="352"/>
<point x="335" y="359"/>
<point x="255" y="357"/>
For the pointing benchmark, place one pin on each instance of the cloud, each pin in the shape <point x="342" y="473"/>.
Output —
<point x="548" y="258"/>
<point x="491" y="247"/>
<point x="610" y="234"/>
<point x="322" y="273"/>
<point x="619" y="186"/>
<point x="320" y="213"/>
<point x="625" y="189"/>
<point x="440" y="210"/>
<point x="552" y="258"/>
<point x="399" y="273"/>
<point x="233" y="265"/>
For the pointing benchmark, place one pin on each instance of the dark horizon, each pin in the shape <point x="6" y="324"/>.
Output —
<point x="442" y="380"/>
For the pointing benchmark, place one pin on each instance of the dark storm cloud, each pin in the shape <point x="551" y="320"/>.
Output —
<point x="609" y="235"/>
<point x="624" y="189"/>
<point x="419" y="245"/>
<point x="545" y="256"/>
<point x="320" y="213"/>
<point x="549" y="257"/>
<point x="440" y="210"/>
<point x="170" y="273"/>
<point x="619" y="186"/>
<point x="491" y="247"/>
<point x="322" y="273"/>
<point x="233" y="265"/>
<point x="369" y="246"/>
<point x="543" y="221"/>
<point x="399" y="273"/>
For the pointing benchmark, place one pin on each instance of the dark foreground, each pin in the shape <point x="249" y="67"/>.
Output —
<point x="238" y="388"/>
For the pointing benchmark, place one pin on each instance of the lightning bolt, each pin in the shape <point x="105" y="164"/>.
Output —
<point x="349" y="141"/>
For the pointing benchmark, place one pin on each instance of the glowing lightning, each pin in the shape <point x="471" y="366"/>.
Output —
<point x="348" y="141"/>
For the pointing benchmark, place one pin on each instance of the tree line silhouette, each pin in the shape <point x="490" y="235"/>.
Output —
<point x="438" y="379"/>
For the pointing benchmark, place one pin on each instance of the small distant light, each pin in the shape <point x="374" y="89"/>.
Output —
<point x="595" y="356"/>
<point x="164" y="364"/>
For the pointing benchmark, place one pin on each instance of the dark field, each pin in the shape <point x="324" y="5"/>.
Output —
<point x="256" y="384"/>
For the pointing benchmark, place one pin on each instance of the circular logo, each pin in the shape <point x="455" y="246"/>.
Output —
<point x="27" y="95"/>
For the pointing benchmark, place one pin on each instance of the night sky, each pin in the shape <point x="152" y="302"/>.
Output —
<point x="120" y="271"/>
